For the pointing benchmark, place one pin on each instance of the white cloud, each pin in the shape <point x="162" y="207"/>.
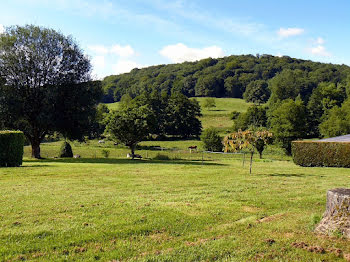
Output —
<point x="179" y="53"/>
<point x="123" y="51"/>
<point x="319" y="41"/>
<point x="319" y="50"/>
<point x="2" y="29"/>
<point x="119" y="50"/>
<point x="125" y="66"/>
<point x="99" y="49"/>
<point x="98" y="61"/>
<point x="287" y="32"/>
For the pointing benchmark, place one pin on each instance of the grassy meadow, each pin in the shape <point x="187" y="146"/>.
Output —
<point x="191" y="207"/>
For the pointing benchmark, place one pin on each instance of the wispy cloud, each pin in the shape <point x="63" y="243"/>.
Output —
<point x="319" y="50"/>
<point x="179" y="53"/>
<point x="319" y="41"/>
<point x="288" y="32"/>
<point x="2" y="29"/>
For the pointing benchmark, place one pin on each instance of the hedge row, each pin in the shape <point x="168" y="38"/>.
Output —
<point x="316" y="153"/>
<point x="11" y="148"/>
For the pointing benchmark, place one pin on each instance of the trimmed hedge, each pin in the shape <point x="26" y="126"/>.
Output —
<point x="11" y="148"/>
<point x="316" y="153"/>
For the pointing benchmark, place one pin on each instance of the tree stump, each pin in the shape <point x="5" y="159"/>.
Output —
<point x="336" y="218"/>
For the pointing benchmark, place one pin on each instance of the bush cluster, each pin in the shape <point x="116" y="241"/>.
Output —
<point x="11" y="148"/>
<point x="211" y="139"/>
<point x="66" y="150"/>
<point x="315" y="153"/>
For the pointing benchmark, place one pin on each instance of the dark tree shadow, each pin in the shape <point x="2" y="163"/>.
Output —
<point x="290" y="175"/>
<point x="121" y="161"/>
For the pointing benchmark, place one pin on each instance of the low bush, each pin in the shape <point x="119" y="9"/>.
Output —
<point x="211" y="139"/>
<point x="66" y="150"/>
<point x="11" y="148"/>
<point x="105" y="153"/>
<point x="315" y="153"/>
<point x="161" y="157"/>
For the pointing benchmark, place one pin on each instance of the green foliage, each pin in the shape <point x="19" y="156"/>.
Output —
<point x="182" y="116"/>
<point x="125" y="100"/>
<point x="209" y="103"/>
<point x="105" y="153"/>
<point x="130" y="125"/>
<point x="315" y="153"/>
<point x="211" y="140"/>
<point x="58" y="96"/>
<point x="253" y="118"/>
<point x="161" y="157"/>
<point x="289" y="84"/>
<point x="288" y="122"/>
<point x="257" y="92"/>
<point x="66" y="150"/>
<point x="337" y="122"/>
<point x="209" y="85"/>
<point x="11" y="148"/>
<point x="322" y="100"/>
<point x="234" y="115"/>
<point x="227" y="77"/>
<point x="99" y="125"/>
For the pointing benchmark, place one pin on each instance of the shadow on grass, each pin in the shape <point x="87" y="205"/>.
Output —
<point x="120" y="161"/>
<point x="216" y="110"/>
<point x="290" y="175"/>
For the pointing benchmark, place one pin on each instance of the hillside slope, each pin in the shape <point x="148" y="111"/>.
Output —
<point x="223" y="77"/>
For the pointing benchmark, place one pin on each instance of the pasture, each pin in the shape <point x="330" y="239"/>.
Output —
<point x="190" y="207"/>
<point x="116" y="209"/>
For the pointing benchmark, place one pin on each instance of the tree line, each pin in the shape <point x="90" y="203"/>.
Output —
<point x="242" y="76"/>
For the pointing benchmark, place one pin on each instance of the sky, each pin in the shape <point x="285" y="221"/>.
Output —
<point x="119" y="35"/>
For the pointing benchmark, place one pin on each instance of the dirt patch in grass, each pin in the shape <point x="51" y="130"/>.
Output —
<point x="271" y="218"/>
<point x="251" y="209"/>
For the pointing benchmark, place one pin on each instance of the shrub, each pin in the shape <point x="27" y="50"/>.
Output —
<point x="211" y="140"/>
<point x="11" y="148"/>
<point x="315" y="153"/>
<point x="66" y="150"/>
<point x="105" y="153"/>
<point x="161" y="157"/>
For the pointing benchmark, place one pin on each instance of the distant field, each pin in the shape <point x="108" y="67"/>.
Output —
<point x="185" y="209"/>
<point x="218" y="116"/>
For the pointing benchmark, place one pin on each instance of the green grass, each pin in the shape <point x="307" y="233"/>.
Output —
<point x="219" y="116"/>
<point x="154" y="210"/>
<point x="216" y="117"/>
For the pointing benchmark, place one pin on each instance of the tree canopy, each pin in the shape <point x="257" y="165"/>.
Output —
<point x="47" y="85"/>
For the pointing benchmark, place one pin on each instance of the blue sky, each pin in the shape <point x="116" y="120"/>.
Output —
<point x="121" y="35"/>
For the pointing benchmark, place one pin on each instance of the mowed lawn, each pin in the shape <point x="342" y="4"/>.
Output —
<point x="117" y="209"/>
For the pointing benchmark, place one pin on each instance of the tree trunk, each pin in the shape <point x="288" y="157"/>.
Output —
<point x="260" y="155"/>
<point x="36" y="149"/>
<point x="132" y="148"/>
<point x="336" y="218"/>
<point x="251" y="162"/>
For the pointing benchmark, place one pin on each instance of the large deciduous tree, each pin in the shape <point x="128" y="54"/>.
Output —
<point x="47" y="84"/>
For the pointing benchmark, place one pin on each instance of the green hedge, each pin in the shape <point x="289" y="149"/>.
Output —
<point x="316" y="153"/>
<point x="11" y="148"/>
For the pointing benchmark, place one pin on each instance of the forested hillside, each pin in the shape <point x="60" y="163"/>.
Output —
<point x="227" y="77"/>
